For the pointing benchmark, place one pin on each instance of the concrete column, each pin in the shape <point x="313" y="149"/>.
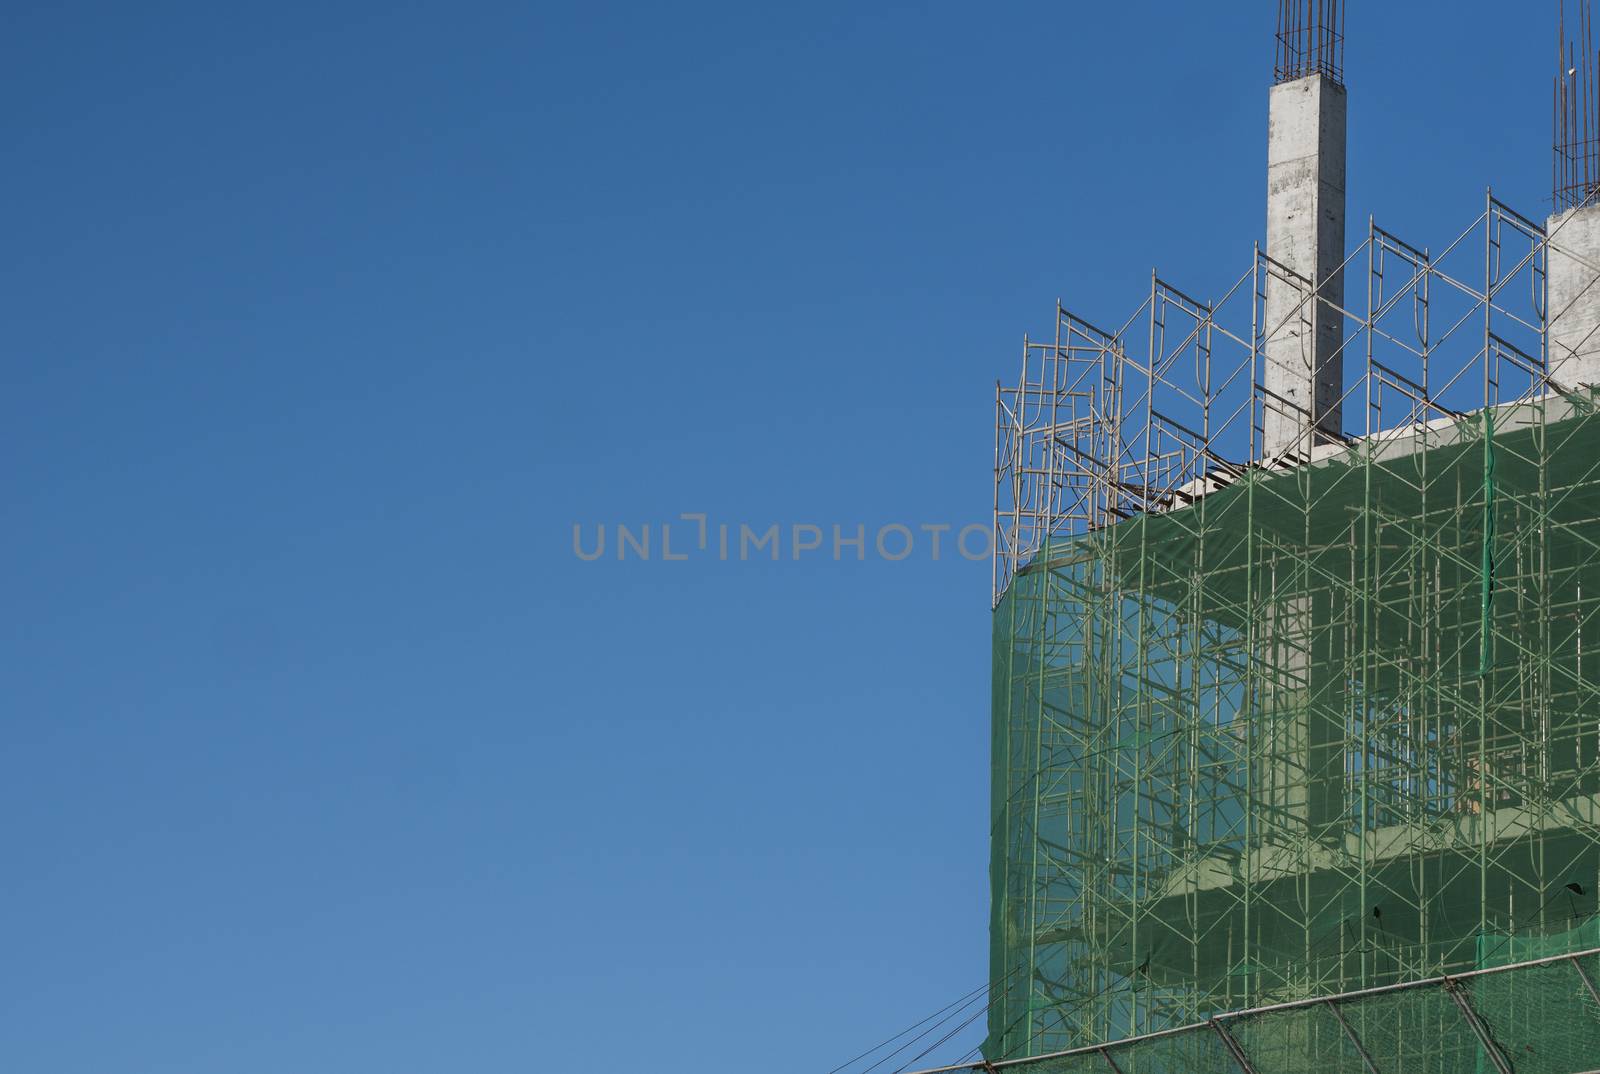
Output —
<point x="1304" y="366"/>
<point x="1305" y="231"/>
<point x="1574" y="296"/>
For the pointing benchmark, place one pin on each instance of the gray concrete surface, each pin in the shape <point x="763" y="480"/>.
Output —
<point x="1574" y="296"/>
<point x="1305" y="231"/>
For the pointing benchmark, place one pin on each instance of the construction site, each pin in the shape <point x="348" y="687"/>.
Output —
<point x="1296" y="637"/>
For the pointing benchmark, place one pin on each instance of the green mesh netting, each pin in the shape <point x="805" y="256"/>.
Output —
<point x="1309" y="1039"/>
<point x="1181" y="1053"/>
<point x="1542" y="1018"/>
<point x="1419" y="1032"/>
<point x="1263" y="748"/>
<point x="1538" y="1019"/>
<point x="1506" y="948"/>
<point x="1091" y="1063"/>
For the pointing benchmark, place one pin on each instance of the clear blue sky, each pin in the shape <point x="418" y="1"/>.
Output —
<point x="324" y="324"/>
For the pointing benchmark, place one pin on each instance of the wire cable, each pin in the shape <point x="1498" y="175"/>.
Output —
<point x="942" y="1040"/>
<point x="949" y="1011"/>
<point x="941" y="1024"/>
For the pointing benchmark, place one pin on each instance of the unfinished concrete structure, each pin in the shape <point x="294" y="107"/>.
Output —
<point x="1296" y="595"/>
<point x="1575" y="296"/>
<point x="1304" y="374"/>
<point x="1574" y="230"/>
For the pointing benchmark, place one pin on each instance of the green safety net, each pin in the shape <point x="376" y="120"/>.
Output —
<point x="1319" y="731"/>
<point x="1539" y="1018"/>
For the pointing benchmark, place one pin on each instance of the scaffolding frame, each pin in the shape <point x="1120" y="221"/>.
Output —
<point x="1270" y="729"/>
<point x="1080" y="442"/>
<point x="1491" y="1020"/>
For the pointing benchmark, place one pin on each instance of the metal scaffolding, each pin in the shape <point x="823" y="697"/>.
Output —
<point x="1540" y="1016"/>
<point x="1273" y="729"/>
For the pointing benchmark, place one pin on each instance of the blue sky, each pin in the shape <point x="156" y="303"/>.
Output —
<point x="325" y="324"/>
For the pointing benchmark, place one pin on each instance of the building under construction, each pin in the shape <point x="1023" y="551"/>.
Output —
<point x="1296" y="759"/>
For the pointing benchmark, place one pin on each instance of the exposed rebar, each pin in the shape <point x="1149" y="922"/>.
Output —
<point x="1577" y="109"/>
<point x="1310" y="40"/>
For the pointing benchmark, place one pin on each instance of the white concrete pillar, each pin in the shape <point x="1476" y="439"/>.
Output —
<point x="1574" y="296"/>
<point x="1305" y="231"/>
<point x="1304" y="367"/>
